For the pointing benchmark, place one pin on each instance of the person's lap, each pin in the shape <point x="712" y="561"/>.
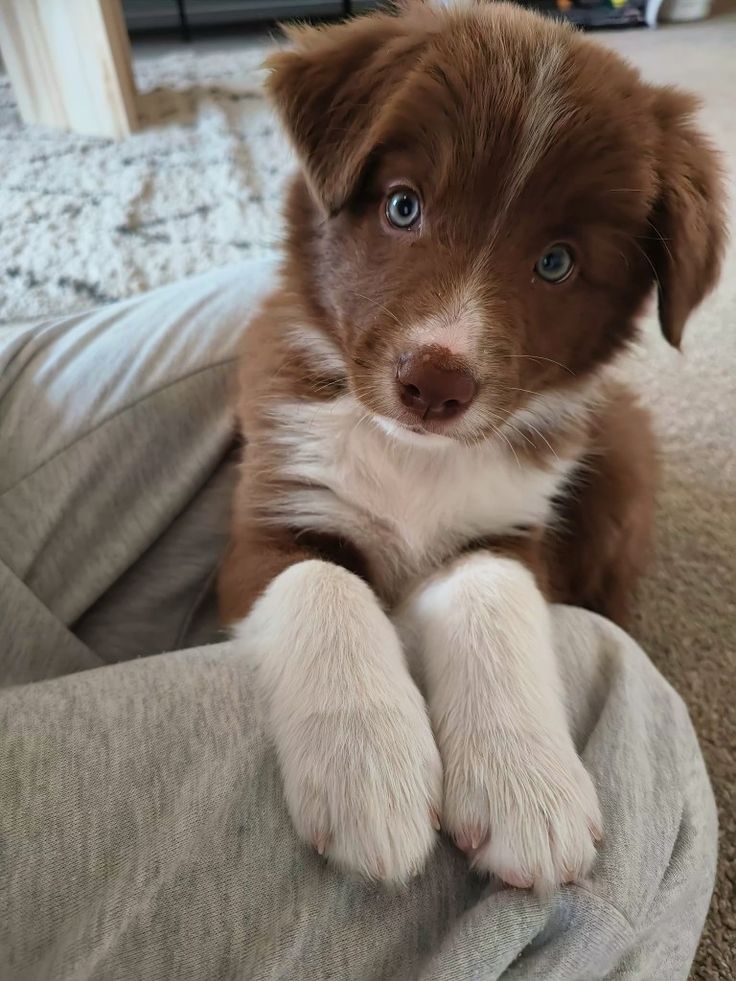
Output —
<point x="143" y="829"/>
<point x="113" y="500"/>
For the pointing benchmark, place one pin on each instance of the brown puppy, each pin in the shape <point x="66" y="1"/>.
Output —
<point x="434" y="449"/>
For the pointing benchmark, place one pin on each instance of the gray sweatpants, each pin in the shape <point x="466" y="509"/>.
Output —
<point x="142" y="828"/>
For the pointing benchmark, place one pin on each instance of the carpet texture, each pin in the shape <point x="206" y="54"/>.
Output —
<point x="85" y="221"/>
<point x="686" y="617"/>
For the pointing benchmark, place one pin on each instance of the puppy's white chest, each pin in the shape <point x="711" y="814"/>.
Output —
<point x="407" y="502"/>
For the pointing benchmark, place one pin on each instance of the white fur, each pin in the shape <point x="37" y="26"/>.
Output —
<point x="361" y="771"/>
<point x="516" y="794"/>
<point x="546" y="110"/>
<point x="458" y="327"/>
<point x="325" y="355"/>
<point x="555" y="410"/>
<point x="408" y="503"/>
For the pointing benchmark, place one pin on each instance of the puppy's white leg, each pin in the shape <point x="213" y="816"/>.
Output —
<point x="517" y="796"/>
<point x="362" y="774"/>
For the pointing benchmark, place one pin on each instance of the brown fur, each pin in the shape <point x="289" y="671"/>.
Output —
<point x="601" y="545"/>
<point x="517" y="132"/>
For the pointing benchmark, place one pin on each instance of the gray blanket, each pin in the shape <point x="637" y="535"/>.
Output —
<point x="142" y="828"/>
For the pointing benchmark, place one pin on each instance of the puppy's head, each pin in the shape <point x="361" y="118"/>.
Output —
<point x="491" y="200"/>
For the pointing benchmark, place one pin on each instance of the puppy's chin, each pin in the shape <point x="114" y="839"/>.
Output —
<point x="416" y="435"/>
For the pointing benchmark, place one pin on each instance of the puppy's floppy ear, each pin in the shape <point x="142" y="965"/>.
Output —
<point x="688" y="217"/>
<point x="331" y="90"/>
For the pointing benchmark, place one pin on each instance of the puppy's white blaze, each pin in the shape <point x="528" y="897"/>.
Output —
<point x="410" y="502"/>
<point x="360" y="768"/>
<point x="546" y="109"/>
<point x="458" y="327"/>
<point x="481" y="634"/>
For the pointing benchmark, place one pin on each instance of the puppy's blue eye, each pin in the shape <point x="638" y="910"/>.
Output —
<point x="555" y="265"/>
<point x="403" y="208"/>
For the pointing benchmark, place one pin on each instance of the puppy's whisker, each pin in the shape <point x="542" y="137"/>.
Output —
<point x="538" y="357"/>
<point x="318" y="389"/>
<point x="489" y="418"/>
<point x="624" y="258"/>
<point x="508" y="442"/>
<point x="507" y="424"/>
<point x="660" y="237"/>
<point x="518" y="432"/>
<point x="526" y="391"/>
<point x="649" y="263"/>
<point x="544" y="439"/>
<point x="515" y="429"/>
<point x="634" y="240"/>
<point x="366" y="417"/>
<point x="380" y="306"/>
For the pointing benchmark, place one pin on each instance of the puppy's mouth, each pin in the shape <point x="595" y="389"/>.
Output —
<point x="415" y="430"/>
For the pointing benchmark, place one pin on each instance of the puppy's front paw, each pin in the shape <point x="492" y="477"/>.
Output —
<point x="363" y="785"/>
<point x="362" y="773"/>
<point x="524" y="809"/>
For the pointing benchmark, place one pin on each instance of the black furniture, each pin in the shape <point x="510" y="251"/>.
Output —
<point x="188" y="15"/>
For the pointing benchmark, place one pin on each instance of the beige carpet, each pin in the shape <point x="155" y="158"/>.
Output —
<point x="687" y="613"/>
<point x="85" y="221"/>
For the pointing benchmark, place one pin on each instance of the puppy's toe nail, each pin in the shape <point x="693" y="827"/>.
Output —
<point x="596" y="832"/>
<point x="469" y="840"/>
<point x="320" y="842"/>
<point x="434" y="817"/>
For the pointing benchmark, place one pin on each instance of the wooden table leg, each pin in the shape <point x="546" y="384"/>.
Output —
<point x="69" y="64"/>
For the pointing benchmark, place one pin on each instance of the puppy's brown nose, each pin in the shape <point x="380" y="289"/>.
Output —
<point x="431" y="387"/>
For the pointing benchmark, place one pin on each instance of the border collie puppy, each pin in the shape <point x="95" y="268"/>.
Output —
<point x="435" y="448"/>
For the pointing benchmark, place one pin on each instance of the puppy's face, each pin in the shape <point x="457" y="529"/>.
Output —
<point x="494" y="199"/>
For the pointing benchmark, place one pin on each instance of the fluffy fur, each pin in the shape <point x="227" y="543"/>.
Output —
<point x="410" y="502"/>
<point x="340" y="700"/>
<point x="355" y="517"/>
<point x="517" y="797"/>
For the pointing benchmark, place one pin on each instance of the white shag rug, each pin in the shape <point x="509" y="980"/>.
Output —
<point x="85" y="221"/>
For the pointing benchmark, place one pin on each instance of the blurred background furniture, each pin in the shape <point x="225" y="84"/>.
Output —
<point x="188" y="15"/>
<point x="69" y="60"/>
<point x="69" y="64"/>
